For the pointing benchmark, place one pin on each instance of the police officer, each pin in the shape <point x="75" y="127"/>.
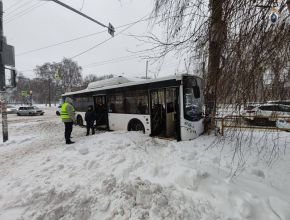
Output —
<point x="68" y="117"/>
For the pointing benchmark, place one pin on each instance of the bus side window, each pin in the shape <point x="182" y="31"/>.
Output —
<point x="112" y="108"/>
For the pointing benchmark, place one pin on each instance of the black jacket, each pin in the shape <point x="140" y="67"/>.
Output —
<point x="91" y="115"/>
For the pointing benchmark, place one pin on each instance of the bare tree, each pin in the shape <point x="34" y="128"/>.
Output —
<point x="68" y="71"/>
<point x="232" y="44"/>
<point x="70" y="74"/>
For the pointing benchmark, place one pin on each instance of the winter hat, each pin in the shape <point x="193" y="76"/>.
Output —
<point x="68" y="100"/>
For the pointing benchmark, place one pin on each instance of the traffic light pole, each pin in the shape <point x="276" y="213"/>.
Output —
<point x="2" y="78"/>
<point x="111" y="29"/>
<point x="2" y="67"/>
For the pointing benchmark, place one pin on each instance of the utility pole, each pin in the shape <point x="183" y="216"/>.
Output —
<point x="147" y="69"/>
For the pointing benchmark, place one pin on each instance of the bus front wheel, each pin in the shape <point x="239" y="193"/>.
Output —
<point x="136" y="125"/>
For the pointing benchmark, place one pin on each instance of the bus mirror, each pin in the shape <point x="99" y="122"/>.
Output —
<point x="196" y="91"/>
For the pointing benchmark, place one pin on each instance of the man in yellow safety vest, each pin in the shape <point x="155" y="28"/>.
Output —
<point x="68" y="117"/>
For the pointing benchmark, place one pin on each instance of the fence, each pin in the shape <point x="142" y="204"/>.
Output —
<point x="239" y="117"/>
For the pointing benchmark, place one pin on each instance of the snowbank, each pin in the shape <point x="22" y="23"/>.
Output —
<point x="128" y="175"/>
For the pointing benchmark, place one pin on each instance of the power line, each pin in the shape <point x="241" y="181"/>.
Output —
<point x="26" y="12"/>
<point x="82" y="5"/>
<point x="18" y="8"/>
<point x="15" y="15"/>
<point x="101" y="42"/>
<point x="108" y="39"/>
<point x="116" y="60"/>
<point x="143" y="72"/>
<point x="61" y="43"/>
<point x="163" y="67"/>
<point x="82" y="37"/>
<point x="42" y="48"/>
<point x="136" y="55"/>
<point x="13" y="5"/>
<point x="131" y="24"/>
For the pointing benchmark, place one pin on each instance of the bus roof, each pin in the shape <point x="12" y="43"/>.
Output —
<point x="121" y="81"/>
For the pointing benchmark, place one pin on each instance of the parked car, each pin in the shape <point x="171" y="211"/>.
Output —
<point x="281" y="102"/>
<point x="272" y="110"/>
<point x="11" y="109"/>
<point x="283" y="124"/>
<point x="58" y="110"/>
<point x="251" y="105"/>
<point x="29" y="110"/>
<point x="39" y="110"/>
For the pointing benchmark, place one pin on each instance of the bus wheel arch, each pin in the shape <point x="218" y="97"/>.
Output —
<point x="136" y="125"/>
<point x="80" y="120"/>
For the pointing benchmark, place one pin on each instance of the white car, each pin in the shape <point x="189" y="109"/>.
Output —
<point x="58" y="110"/>
<point x="283" y="124"/>
<point x="11" y="109"/>
<point x="272" y="110"/>
<point x="28" y="110"/>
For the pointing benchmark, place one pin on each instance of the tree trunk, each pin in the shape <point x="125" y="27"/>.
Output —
<point x="215" y="45"/>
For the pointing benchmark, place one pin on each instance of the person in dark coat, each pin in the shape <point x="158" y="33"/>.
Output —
<point x="90" y="118"/>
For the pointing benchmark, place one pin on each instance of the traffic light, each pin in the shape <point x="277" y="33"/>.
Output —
<point x="13" y="78"/>
<point x="30" y="92"/>
<point x="111" y="30"/>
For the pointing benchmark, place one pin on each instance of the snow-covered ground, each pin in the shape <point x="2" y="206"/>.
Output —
<point x="128" y="175"/>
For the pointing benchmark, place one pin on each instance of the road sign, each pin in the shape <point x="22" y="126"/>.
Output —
<point x="30" y="99"/>
<point x="23" y="93"/>
<point x="57" y="77"/>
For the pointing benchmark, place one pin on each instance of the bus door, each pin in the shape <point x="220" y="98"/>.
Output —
<point x="172" y="112"/>
<point x="158" y="112"/>
<point x="101" y="110"/>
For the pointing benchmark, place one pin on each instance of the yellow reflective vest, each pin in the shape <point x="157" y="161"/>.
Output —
<point x="64" y="113"/>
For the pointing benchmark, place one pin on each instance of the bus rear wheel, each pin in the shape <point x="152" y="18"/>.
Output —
<point x="137" y="125"/>
<point x="80" y="121"/>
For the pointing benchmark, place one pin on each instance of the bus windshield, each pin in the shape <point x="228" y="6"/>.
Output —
<point x="193" y="100"/>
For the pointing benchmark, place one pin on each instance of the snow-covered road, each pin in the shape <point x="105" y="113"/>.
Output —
<point x="128" y="175"/>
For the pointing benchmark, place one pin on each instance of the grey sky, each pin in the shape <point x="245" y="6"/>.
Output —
<point x="51" y="23"/>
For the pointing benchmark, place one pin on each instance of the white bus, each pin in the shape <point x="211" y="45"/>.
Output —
<point x="168" y="107"/>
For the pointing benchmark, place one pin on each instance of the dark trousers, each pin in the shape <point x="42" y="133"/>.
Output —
<point x="90" y="125"/>
<point x="68" y="130"/>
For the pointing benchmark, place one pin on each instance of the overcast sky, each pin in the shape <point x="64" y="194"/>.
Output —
<point x="33" y="24"/>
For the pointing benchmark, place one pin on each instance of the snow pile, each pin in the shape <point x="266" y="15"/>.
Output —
<point x="128" y="175"/>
